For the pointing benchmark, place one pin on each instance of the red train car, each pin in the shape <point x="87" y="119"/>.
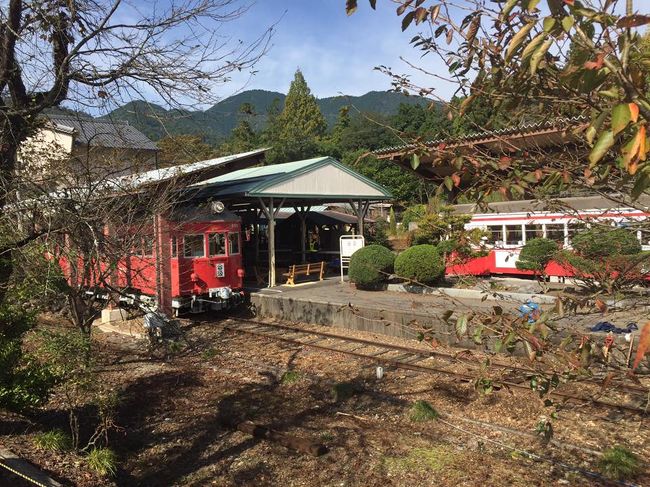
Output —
<point x="201" y="268"/>
<point x="510" y="224"/>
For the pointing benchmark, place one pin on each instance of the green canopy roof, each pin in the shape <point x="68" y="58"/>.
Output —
<point x="322" y="178"/>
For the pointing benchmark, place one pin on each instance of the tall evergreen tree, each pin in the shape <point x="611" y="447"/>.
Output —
<point x="299" y="126"/>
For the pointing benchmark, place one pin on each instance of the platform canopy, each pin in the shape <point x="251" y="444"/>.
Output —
<point x="320" y="179"/>
<point x="300" y="184"/>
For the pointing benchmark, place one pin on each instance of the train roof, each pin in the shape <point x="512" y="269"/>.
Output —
<point x="580" y="203"/>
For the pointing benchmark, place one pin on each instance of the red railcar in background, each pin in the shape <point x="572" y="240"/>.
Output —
<point x="510" y="225"/>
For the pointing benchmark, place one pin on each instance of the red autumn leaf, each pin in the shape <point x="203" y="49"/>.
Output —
<point x="442" y="146"/>
<point x="644" y="345"/>
<point x="598" y="63"/>
<point x="456" y="179"/>
<point x="570" y="2"/>
<point x="633" y="21"/>
<point x="539" y="174"/>
<point x="602" y="307"/>
<point x="504" y="162"/>
<point x="634" y="112"/>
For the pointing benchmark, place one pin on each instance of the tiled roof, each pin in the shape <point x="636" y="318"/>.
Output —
<point x="478" y="137"/>
<point x="114" y="134"/>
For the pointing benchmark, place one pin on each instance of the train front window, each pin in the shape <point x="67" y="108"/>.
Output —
<point x="514" y="235"/>
<point x="193" y="246"/>
<point x="233" y="243"/>
<point x="217" y="244"/>
<point x="534" y="231"/>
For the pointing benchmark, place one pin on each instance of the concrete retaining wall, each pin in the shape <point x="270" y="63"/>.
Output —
<point x="387" y="322"/>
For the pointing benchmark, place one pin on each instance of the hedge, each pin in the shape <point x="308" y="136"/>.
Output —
<point x="421" y="263"/>
<point x="370" y="266"/>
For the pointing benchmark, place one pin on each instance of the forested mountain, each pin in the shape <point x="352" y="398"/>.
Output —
<point x="217" y="122"/>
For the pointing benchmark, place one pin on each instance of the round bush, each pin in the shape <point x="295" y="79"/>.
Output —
<point x="371" y="265"/>
<point x="536" y="254"/>
<point x="599" y="242"/>
<point x="421" y="263"/>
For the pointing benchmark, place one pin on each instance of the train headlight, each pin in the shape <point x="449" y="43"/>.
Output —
<point x="225" y="293"/>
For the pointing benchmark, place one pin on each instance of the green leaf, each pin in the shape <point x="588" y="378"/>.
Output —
<point x="604" y="143"/>
<point x="517" y="40"/>
<point x="567" y="23"/>
<point x="507" y="8"/>
<point x="415" y="161"/>
<point x="548" y="24"/>
<point x="449" y="183"/>
<point x="461" y="326"/>
<point x="532" y="4"/>
<point x="537" y="58"/>
<point x="595" y="127"/>
<point x="477" y="336"/>
<point x="641" y="184"/>
<point x="498" y="345"/>
<point x="532" y="46"/>
<point x="621" y="117"/>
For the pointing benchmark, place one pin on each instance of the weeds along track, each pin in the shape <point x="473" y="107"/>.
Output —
<point x="629" y="397"/>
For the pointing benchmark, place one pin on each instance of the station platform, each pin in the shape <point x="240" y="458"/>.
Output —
<point x="333" y="303"/>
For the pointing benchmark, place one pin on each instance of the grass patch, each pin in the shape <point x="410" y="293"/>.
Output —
<point x="103" y="461"/>
<point x="422" y="459"/>
<point x="209" y="354"/>
<point x="55" y="440"/>
<point x="422" y="411"/>
<point x="290" y="377"/>
<point x="326" y="436"/>
<point x="342" y="391"/>
<point x="619" y="463"/>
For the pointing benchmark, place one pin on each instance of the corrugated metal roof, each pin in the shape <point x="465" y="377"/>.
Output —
<point x="521" y="129"/>
<point x="114" y="134"/>
<point x="164" y="174"/>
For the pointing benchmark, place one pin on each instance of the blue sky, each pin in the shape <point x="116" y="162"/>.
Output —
<point x="336" y="53"/>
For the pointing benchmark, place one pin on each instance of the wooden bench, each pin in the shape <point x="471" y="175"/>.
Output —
<point x="305" y="270"/>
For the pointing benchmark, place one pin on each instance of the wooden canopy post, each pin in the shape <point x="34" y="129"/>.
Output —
<point x="302" y="214"/>
<point x="271" y="212"/>
<point x="360" y="209"/>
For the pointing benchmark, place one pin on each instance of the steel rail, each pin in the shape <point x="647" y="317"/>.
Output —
<point x="413" y="367"/>
<point x="433" y="353"/>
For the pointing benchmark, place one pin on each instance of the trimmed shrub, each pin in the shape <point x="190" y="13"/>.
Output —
<point x="599" y="242"/>
<point x="536" y="254"/>
<point x="371" y="265"/>
<point x="421" y="263"/>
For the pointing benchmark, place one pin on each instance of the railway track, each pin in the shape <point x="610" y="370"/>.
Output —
<point x="434" y="362"/>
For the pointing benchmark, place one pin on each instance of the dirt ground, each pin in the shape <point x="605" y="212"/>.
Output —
<point x="172" y="411"/>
